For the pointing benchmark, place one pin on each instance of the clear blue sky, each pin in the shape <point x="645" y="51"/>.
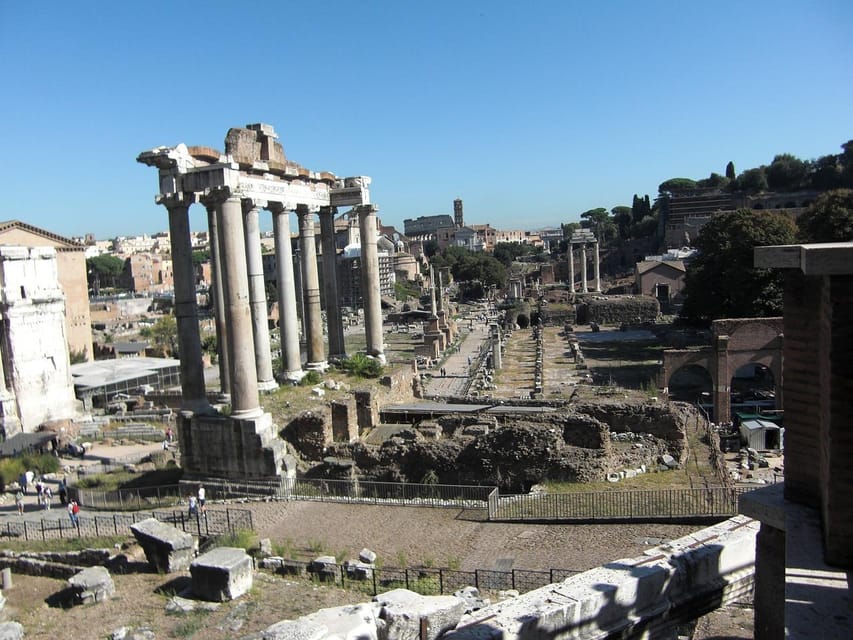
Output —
<point x="531" y="112"/>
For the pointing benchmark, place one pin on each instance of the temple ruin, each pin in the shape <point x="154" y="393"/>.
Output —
<point x="254" y="174"/>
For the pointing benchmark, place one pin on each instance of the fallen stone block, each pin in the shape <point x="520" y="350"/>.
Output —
<point x="11" y="631"/>
<point x="411" y="616"/>
<point x="366" y="555"/>
<point x="359" y="570"/>
<point x="167" y="548"/>
<point x="225" y="573"/>
<point x="324" y="567"/>
<point x="358" y="622"/>
<point x="93" y="584"/>
<point x="472" y="599"/>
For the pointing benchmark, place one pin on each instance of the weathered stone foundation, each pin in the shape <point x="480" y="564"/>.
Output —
<point x="227" y="447"/>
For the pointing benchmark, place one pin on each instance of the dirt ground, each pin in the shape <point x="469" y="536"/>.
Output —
<point x="399" y="535"/>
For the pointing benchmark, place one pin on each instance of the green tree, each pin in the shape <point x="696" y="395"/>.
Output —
<point x="787" y="173"/>
<point x="730" y="170"/>
<point x="430" y="248"/>
<point x="826" y="173"/>
<point x="164" y="333"/>
<point x="829" y="219"/>
<point x="200" y="256"/>
<point x="105" y="268"/>
<point x="599" y="221"/>
<point x="721" y="281"/>
<point x="623" y="218"/>
<point x="752" y="180"/>
<point x="714" y="181"/>
<point x="676" y="185"/>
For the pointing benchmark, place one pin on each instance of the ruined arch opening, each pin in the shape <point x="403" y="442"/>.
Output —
<point x="691" y="383"/>
<point x="753" y="387"/>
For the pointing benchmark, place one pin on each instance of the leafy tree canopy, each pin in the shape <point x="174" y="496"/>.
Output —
<point x="200" y="256"/>
<point x="105" y="265"/>
<point x="721" y="281"/>
<point x="675" y="185"/>
<point x="787" y="173"/>
<point x="829" y="219"/>
<point x="752" y="180"/>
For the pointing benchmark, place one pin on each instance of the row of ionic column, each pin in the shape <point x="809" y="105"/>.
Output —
<point x="596" y="261"/>
<point x="239" y="296"/>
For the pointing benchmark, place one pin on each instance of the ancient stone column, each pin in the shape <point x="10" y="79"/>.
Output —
<point x="583" y="268"/>
<point x="571" y="268"/>
<point x="218" y="294"/>
<point x="433" y="309"/>
<point x="186" y="310"/>
<point x="244" y="377"/>
<point x="334" y="325"/>
<point x="370" y="290"/>
<point x="597" y="269"/>
<point x="312" y="321"/>
<point x="288" y="321"/>
<point x="258" y="294"/>
<point x="497" y="360"/>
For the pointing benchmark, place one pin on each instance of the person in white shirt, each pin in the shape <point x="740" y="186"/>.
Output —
<point x="201" y="493"/>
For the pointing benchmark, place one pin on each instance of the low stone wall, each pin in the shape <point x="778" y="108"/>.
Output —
<point x="617" y="310"/>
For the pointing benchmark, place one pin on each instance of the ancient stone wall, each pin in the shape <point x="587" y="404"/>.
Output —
<point x="616" y="310"/>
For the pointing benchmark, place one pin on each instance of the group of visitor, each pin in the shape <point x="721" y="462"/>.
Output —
<point x="44" y="493"/>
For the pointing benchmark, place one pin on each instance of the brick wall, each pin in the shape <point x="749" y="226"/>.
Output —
<point x="837" y="417"/>
<point x="801" y="387"/>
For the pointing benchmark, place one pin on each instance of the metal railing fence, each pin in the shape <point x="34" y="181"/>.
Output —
<point x="662" y="504"/>
<point x="432" y="581"/>
<point x="212" y="522"/>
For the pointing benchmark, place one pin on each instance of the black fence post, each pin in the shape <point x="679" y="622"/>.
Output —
<point x="477" y="578"/>
<point x="42" y="530"/>
<point x="441" y="581"/>
<point x="373" y="573"/>
<point x="512" y="573"/>
<point x="407" y="578"/>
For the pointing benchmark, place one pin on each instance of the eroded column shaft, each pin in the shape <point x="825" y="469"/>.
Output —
<point x="287" y="319"/>
<point x="258" y="296"/>
<point x="334" y="325"/>
<point x="312" y="321"/>
<point x="244" y="378"/>
<point x="186" y="309"/>
<point x="218" y="295"/>
<point x="597" y="268"/>
<point x="370" y="289"/>
<point x="585" y="289"/>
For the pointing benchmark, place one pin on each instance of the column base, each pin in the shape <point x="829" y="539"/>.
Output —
<point x="266" y="386"/>
<point x="247" y="414"/>
<point x="293" y="377"/>
<point x="320" y="366"/>
<point x="380" y="357"/>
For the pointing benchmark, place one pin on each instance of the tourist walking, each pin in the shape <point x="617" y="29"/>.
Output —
<point x="19" y="501"/>
<point x="73" y="513"/>
<point x="63" y="492"/>
<point x="201" y="495"/>
<point x="47" y="496"/>
<point x="193" y="506"/>
<point x="30" y="476"/>
<point x="39" y="492"/>
<point x="22" y="480"/>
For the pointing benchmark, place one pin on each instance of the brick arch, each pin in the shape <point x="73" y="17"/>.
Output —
<point x="736" y="342"/>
